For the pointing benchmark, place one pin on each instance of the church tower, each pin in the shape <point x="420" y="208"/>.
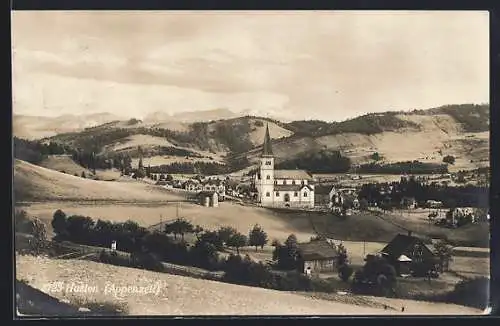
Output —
<point x="264" y="180"/>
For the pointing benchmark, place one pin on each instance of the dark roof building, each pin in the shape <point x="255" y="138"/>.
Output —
<point x="317" y="250"/>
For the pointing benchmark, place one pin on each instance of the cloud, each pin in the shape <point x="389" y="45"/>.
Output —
<point x="328" y="65"/>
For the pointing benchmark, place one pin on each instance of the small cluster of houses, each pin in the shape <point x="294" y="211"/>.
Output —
<point x="320" y="256"/>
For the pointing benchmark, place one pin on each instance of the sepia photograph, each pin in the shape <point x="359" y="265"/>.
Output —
<point x="250" y="163"/>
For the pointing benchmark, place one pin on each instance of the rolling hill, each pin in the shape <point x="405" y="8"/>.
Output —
<point x="424" y="135"/>
<point x="32" y="183"/>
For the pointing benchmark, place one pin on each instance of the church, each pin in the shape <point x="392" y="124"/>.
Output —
<point x="281" y="188"/>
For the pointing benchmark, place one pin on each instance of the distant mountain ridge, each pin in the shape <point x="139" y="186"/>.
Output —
<point x="425" y="135"/>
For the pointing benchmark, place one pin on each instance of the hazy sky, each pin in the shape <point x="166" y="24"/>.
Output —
<point x="300" y="65"/>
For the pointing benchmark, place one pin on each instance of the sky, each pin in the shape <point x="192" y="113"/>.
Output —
<point x="329" y="65"/>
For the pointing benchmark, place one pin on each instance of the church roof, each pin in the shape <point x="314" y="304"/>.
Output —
<point x="266" y="148"/>
<point x="292" y="174"/>
<point x="291" y="187"/>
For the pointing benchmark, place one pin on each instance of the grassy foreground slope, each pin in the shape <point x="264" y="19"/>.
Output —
<point x="180" y="295"/>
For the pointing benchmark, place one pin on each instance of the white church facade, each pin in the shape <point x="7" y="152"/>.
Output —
<point x="281" y="188"/>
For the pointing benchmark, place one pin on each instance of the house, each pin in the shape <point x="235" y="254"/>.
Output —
<point x="322" y="195"/>
<point x="191" y="185"/>
<point x="405" y="251"/>
<point x="434" y="204"/>
<point x="317" y="256"/>
<point x="214" y="185"/>
<point x="459" y="213"/>
<point x="408" y="203"/>
<point x="281" y="188"/>
<point x="208" y="198"/>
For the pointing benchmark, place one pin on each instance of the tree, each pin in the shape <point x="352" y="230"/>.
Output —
<point x="449" y="159"/>
<point x="376" y="156"/>
<point x="39" y="241"/>
<point x="59" y="223"/>
<point x="84" y="175"/>
<point x="257" y="237"/>
<point x="179" y="226"/>
<point x="444" y="253"/>
<point x="79" y="227"/>
<point x="342" y="257"/>
<point x="363" y="204"/>
<point x="345" y="272"/>
<point x="226" y="232"/>
<point x="237" y="241"/>
<point x="197" y="231"/>
<point x="212" y="237"/>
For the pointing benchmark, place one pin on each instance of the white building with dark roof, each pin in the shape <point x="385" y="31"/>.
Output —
<point x="281" y="188"/>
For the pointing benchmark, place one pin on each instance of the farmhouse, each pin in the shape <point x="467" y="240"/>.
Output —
<point x="317" y="256"/>
<point x="281" y="188"/>
<point x="406" y="250"/>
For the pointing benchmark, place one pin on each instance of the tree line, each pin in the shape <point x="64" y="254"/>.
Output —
<point x="391" y="194"/>
<point x="323" y="161"/>
<point x="408" y="167"/>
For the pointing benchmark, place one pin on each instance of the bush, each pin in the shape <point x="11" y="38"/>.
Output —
<point x="449" y="159"/>
<point x="472" y="292"/>
<point x="345" y="272"/>
<point x="146" y="261"/>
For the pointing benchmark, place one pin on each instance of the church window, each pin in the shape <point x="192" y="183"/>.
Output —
<point x="258" y="176"/>
<point x="295" y="194"/>
<point x="293" y="182"/>
<point x="268" y="177"/>
<point x="268" y="162"/>
<point x="305" y="194"/>
<point x="268" y="194"/>
<point x="275" y="182"/>
<point x="302" y="182"/>
<point x="284" y="182"/>
<point x="277" y="193"/>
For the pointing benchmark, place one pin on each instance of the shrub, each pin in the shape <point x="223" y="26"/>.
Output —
<point x="59" y="223"/>
<point x="345" y="272"/>
<point x="449" y="159"/>
<point x="146" y="261"/>
<point x="473" y="292"/>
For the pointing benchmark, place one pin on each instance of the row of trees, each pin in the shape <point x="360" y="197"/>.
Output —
<point x="389" y="195"/>
<point x="408" y="167"/>
<point x="36" y="151"/>
<point x="323" y="161"/>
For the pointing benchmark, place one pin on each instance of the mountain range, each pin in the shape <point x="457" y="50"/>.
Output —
<point x="220" y="135"/>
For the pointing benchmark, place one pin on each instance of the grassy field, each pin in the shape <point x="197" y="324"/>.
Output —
<point x="240" y="217"/>
<point x="178" y="295"/>
<point x="36" y="183"/>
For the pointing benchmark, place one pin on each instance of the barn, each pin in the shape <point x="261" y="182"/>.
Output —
<point x="317" y="256"/>
<point x="404" y="252"/>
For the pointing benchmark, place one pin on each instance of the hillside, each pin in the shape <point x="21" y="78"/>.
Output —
<point x="179" y="295"/>
<point x="32" y="183"/>
<point x="32" y="127"/>
<point x="461" y="131"/>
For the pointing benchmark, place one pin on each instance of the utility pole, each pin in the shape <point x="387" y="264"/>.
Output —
<point x="364" y="249"/>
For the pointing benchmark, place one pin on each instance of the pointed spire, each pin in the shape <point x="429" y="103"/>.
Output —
<point x="267" y="149"/>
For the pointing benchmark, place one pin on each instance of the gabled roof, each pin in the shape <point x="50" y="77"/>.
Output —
<point x="292" y="175"/>
<point x="317" y="250"/>
<point x="399" y="244"/>
<point x="266" y="148"/>
<point x="322" y="189"/>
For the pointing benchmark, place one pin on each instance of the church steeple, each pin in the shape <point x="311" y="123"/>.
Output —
<point x="267" y="149"/>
